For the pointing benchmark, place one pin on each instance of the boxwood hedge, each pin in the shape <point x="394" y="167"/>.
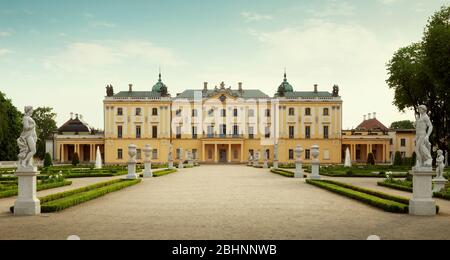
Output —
<point x="39" y="187"/>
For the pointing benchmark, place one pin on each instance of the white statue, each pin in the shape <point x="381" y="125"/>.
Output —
<point x="424" y="128"/>
<point x="440" y="165"/>
<point x="27" y="140"/>
<point x="98" y="159"/>
<point x="170" y="152"/>
<point x="348" y="161"/>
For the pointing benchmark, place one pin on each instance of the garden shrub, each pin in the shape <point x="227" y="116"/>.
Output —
<point x="398" y="160"/>
<point x="371" y="159"/>
<point x="48" y="160"/>
<point x="76" y="159"/>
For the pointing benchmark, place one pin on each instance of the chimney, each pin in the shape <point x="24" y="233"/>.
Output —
<point x="375" y="115"/>
<point x="71" y="115"/>
<point x="76" y="116"/>
<point x="370" y="116"/>
<point x="81" y="117"/>
<point x="315" y="88"/>
<point x="205" y="86"/>
<point x="240" y="86"/>
<point x="365" y="116"/>
<point x="130" y="87"/>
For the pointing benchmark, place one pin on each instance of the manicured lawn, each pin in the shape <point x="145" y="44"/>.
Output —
<point x="12" y="190"/>
<point x="407" y="186"/>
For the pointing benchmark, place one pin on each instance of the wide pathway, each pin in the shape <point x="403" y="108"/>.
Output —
<point x="222" y="202"/>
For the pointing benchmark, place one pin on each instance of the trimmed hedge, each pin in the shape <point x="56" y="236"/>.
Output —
<point x="358" y="194"/>
<point x="395" y="186"/>
<point x="284" y="173"/>
<point x="39" y="187"/>
<point x="63" y="200"/>
<point x="161" y="173"/>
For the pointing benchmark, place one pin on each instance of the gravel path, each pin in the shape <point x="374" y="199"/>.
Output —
<point x="224" y="202"/>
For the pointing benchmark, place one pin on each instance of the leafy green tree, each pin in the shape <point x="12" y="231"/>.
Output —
<point x="45" y="127"/>
<point x="398" y="160"/>
<point x="10" y="128"/>
<point x="420" y="74"/>
<point x="48" y="160"/>
<point x="405" y="124"/>
<point x="413" y="159"/>
<point x="370" y="159"/>
<point x="75" y="159"/>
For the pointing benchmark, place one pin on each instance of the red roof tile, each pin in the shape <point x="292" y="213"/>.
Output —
<point x="372" y="125"/>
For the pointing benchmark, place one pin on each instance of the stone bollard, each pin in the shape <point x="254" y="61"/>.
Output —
<point x="148" y="163"/>
<point x="132" y="151"/>
<point x="256" y="161"/>
<point x="315" y="165"/>
<point x="275" y="156"/>
<point x="298" y="162"/>
<point x="170" y="157"/>
<point x="180" y="164"/>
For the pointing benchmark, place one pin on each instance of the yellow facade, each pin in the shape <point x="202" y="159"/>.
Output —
<point x="222" y="125"/>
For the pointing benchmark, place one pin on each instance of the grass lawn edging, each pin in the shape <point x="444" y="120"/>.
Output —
<point x="395" y="186"/>
<point x="285" y="173"/>
<point x="63" y="200"/>
<point x="39" y="187"/>
<point x="161" y="173"/>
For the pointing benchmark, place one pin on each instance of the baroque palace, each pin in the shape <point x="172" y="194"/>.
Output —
<point x="224" y="125"/>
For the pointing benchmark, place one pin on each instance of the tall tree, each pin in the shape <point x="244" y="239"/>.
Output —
<point x="10" y="128"/>
<point x="420" y="74"/>
<point x="45" y="127"/>
<point x="405" y="124"/>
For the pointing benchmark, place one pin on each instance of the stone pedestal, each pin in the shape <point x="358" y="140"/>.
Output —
<point x="132" y="150"/>
<point x="256" y="161"/>
<point x="298" y="170"/>
<point x="170" y="165"/>
<point x="27" y="203"/>
<point x="439" y="184"/>
<point x="315" y="168"/>
<point x="147" y="163"/>
<point x="422" y="203"/>
<point x="275" y="164"/>
<point x="180" y="164"/>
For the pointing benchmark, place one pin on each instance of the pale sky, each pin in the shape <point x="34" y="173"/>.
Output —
<point x="62" y="54"/>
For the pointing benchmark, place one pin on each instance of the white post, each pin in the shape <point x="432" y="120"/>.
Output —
<point x="170" y="159"/>
<point x="190" y="159"/>
<point x="315" y="165"/>
<point x="266" y="160"/>
<point x="275" y="156"/>
<point x="180" y="164"/>
<point x="298" y="162"/>
<point x="256" y="161"/>
<point x="148" y="162"/>
<point x="132" y="150"/>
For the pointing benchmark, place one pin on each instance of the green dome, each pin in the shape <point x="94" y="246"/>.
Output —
<point x="159" y="86"/>
<point x="285" y="87"/>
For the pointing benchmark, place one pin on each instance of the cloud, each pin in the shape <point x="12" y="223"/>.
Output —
<point x="82" y="56"/>
<point x="102" y="24"/>
<point x="255" y="17"/>
<point x="5" y="34"/>
<point x="5" y="52"/>
<point x="388" y="2"/>
<point x="334" y="8"/>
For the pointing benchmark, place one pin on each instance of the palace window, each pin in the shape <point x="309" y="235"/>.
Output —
<point x="223" y="129"/>
<point x="223" y="113"/>
<point x="178" y="133"/>
<point x="251" y="113"/>
<point x="178" y="154"/>
<point x="138" y="131"/>
<point x="210" y="131"/>
<point x="154" y="111"/>
<point x="291" y="132"/>
<point x="391" y="142"/>
<point x="251" y="134"/>
<point x="307" y="132"/>
<point x="307" y="111"/>
<point x="291" y="154"/>
<point x="194" y="154"/>
<point x="326" y="131"/>
<point x="267" y="112"/>
<point x="194" y="112"/>
<point x="154" y="132"/>
<point x="235" y="130"/>
<point x="211" y="113"/>
<point x="307" y="154"/>
<point x="252" y="152"/>
<point x="267" y="132"/>
<point x="119" y="131"/>
<point x="120" y="111"/>
<point x="292" y="111"/>
<point x="326" y="112"/>
<point x="268" y="154"/>
<point x="194" y="132"/>
<point x="138" y="111"/>
<point x="138" y="154"/>
<point x="235" y="112"/>
<point x="178" y="112"/>
<point x="403" y="142"/>
<point x="119" y="154"/>
<point x="154" y="154"/>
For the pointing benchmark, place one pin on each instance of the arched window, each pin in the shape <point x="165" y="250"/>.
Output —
<point x="308" y="111"/>
<point x="326" y="112"/>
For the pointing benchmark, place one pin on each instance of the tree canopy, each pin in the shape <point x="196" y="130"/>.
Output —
<point x="45" y="127"/>
<point x="420" y="74"/>
<point x="405" y="124"/>
<point x="10" y="128"/>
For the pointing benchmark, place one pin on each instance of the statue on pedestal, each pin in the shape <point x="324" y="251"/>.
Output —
<point x="424" y="128"/>
<point x="440" y="165"/>
<point x="27" y="140"/>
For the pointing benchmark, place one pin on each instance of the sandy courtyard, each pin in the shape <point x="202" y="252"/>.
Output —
<point x="223" y="202"/>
